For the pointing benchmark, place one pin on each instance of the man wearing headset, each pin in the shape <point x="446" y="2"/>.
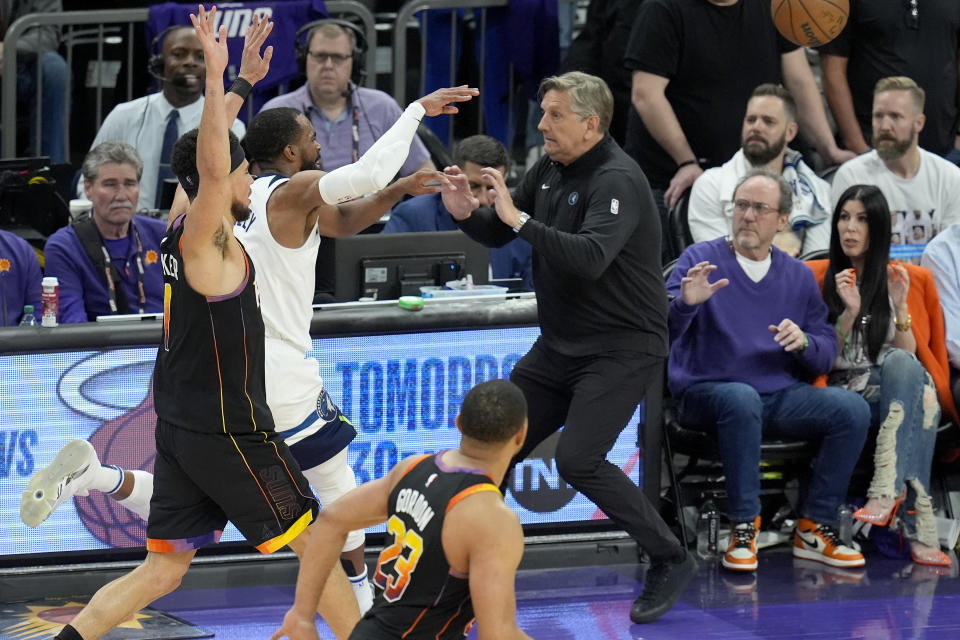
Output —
<point x="143" y="123"/>
<point x="348" y="118"/>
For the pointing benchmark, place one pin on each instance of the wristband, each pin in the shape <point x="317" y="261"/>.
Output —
<point x="806" y="341"/>
<point x="905" y="325"/>
<point x="241" y="87"/>
<point x="687" y="163"/>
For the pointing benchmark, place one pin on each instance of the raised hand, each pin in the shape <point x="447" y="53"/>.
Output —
<point x="253" y="66"/>
<point x="438" y="102"/>
<point x="215" y="54"/>
<point x="898" y="284"/>
<point x="459" y="201"/>
<point x="848" y="290"/>
<point x="695" y="287"/>
<point x="502" y="200"/>
<point x="788" y="335"/>
<point x="425" y="181"/>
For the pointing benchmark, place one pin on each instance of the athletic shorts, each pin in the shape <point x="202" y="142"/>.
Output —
<point x="202" y="480"/>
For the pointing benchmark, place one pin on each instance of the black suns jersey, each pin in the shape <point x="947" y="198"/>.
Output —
<point x="418" y="595"/>
<point x="209" y="374"/>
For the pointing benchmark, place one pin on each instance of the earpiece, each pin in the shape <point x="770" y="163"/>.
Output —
<point x="358" y="71"/>
<point x="156" y="63"/>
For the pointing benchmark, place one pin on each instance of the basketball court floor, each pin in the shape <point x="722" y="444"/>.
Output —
<point x="590" y="598"/>
<point x="786" y="599"/>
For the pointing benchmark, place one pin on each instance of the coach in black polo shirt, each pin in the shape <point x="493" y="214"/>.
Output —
<point x="587" y="210"/>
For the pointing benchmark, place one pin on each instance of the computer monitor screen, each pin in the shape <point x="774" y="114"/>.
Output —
<point x="387" y="266"/>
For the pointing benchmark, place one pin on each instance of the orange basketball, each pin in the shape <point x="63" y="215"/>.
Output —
<point x="810" y="23"/>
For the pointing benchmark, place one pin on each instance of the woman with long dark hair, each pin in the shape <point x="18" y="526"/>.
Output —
<point x="867" y="294"/>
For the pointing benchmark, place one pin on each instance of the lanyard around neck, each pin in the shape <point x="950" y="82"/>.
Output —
<point x="108" y="272"/>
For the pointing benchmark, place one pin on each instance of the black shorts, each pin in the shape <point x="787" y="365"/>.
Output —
<point x="202" y="480"/>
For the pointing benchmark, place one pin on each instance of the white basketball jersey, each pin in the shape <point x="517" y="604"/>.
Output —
<point x="286" y="282"/>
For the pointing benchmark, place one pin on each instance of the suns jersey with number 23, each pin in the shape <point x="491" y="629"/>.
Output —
<point x="418" y="594"/>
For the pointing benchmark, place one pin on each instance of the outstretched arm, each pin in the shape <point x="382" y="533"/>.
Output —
<point x="360" y="508"/>
<point x="381" y="162"/>
<point x="211" y="256"/>
<point x="253" y="66"/>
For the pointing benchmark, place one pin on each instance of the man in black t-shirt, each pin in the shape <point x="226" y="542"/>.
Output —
<point x="883" y="39"/>
<point x="694" y="65"/>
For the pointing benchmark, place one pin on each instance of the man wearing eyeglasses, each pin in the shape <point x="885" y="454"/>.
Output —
<point x="914" y="38"/>
<point x="348" y="118"/>
<point x="741" y="349"/>
<point x="769" y="125"/>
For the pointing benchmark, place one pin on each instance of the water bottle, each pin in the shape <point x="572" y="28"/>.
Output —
<point x="708" y="530"/>
<point x="845" y="524"/>
<point x="51" y="301"/>
<point x="28" y="319"/>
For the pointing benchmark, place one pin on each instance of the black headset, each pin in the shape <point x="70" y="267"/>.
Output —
<point x="358" y="71"/>
<point x="156" y="63"/>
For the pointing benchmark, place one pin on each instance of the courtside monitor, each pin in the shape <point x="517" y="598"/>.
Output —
<point x="385" y="266"/>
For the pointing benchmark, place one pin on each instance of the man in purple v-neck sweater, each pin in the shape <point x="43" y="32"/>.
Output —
<point x="742" y="350"/>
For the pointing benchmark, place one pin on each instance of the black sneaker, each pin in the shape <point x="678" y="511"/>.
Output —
<point x="662" y="587"/>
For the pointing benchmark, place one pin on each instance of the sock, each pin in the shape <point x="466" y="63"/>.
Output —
<point x="139" y="499"/>
<point x="68" y="633"/>
<point x="361" y="589"/>
<point x="107" y="479"/>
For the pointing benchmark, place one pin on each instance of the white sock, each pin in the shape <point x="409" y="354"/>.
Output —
<point x="361" y="589"/>
<point x="139" y="499"/>
<point x="107" y="479"/>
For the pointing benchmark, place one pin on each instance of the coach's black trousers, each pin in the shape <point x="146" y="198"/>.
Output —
<point x="594" y="397"/>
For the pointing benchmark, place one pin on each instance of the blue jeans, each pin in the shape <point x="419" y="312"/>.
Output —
<point x="904" y="439"/>
<point x="54" y="94"/>
<point x="740" y="417"/>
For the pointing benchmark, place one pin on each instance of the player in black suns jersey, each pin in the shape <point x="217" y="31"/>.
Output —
<point x="453" y="546"/>
<point x="218" y="455"/>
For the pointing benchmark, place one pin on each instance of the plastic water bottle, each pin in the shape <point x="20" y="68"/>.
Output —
<point x="708" y="530"/>
<point x="845" y="524"/>
<point x="28" y="319"/>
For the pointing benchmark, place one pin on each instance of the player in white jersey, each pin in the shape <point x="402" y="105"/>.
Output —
<point x="294" y="198"/>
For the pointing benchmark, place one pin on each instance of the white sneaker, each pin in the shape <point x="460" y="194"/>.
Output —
<point x="68" y="475"/>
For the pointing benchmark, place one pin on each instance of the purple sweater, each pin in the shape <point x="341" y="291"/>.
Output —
<point x="726" y="339"/>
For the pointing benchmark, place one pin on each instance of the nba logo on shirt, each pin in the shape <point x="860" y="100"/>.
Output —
<point x="614" y="206"/>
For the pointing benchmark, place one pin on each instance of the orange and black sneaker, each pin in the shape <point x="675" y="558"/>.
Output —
<point x="742" y="553"/>
<point x="821" y="542"/>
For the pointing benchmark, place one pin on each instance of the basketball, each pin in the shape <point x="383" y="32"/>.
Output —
<point x="810" y="23"/>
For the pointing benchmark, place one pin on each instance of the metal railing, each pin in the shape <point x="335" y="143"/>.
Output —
<point x="408" y="15"/>
<point x="98" y="26"/>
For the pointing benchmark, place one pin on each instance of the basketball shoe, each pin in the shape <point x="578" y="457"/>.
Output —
<point x="662" y="587"/>
<point x="71" y="473"/>
<point x="821" y="542"/>
<point x="742" y="553"/>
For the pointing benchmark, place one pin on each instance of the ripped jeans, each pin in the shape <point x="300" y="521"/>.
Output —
<point x="905" y="413"/>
